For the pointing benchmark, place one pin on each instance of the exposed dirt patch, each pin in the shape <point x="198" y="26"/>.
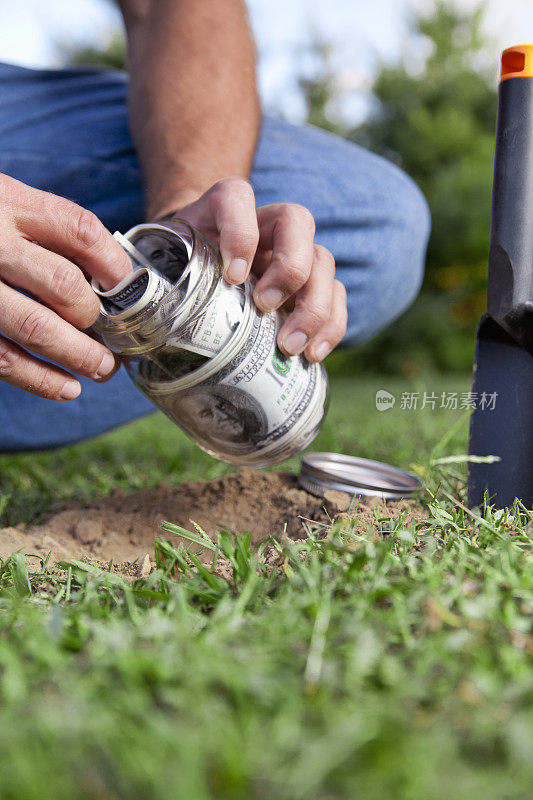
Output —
<point x="123" y="526"/>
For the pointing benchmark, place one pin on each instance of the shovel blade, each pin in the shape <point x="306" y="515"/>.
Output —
<point x="502" y="366"/>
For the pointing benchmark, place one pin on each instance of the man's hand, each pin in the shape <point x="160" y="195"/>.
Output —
<point x="276" y="243"/>
<point x="47" y="248"/>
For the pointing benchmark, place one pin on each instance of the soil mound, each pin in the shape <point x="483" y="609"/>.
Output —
<point x="123" y="526"/>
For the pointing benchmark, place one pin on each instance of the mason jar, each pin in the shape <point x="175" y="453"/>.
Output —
<point x="203" y="353"/>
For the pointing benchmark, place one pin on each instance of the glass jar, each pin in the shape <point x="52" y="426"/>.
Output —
<point x="203" y="353"/>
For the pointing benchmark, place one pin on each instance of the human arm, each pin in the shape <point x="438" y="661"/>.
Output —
<point x="193" y="101"/>
<point x="195" y="119"/>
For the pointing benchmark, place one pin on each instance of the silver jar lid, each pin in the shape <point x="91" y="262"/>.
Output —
<point x="322" y="472"/>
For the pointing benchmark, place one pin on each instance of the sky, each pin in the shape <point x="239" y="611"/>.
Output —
<point x="361" y="34"/>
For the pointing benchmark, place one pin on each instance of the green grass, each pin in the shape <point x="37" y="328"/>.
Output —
<point x="360" y="666"/>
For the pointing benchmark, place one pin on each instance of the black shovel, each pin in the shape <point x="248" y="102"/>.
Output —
<point x="502" y="422"/>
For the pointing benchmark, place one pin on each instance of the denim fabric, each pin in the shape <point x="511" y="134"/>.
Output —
<point x="66" y="131"/>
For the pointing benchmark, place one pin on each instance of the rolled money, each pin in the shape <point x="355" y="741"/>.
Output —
<point x="256" y="404"/>
<point x="138" y="259"/>
<point x="168" y="254"/>
<point x="202" y="327"/>
<point x="135" y="297"/>
<point x="212" y="319"/>
<point x="217" y="322"/>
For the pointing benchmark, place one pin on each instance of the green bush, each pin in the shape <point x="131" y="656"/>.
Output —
<point x="437" y="123"/>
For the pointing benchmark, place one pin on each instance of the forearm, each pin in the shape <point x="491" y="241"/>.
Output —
<point x="193" y="100"/>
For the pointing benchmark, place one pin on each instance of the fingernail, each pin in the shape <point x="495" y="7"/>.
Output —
<point x="295" y="342"/>
<point x="268" y="299"/>
<point x="236" y="272"/>
<point x="107" y="365"/>
<point x="322" y="350"/>
<point x="70" y="390"/>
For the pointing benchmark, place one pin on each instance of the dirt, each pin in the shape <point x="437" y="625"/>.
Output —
<point x="123" y="526"/>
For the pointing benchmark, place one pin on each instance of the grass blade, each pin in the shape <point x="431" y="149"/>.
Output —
<point x="177" y="530"/>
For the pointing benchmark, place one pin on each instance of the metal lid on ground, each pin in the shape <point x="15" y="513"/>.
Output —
<point x="323" y="472"/>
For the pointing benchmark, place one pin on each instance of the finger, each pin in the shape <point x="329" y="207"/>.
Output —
<point x="19" y="368"/>
<point x="288" y="230"/>
<point x="262" y="261"/>
<point x="73" y="232"/>
<point x="233" y="205"/>
<point x="53" y="279"/>
<point x="42" y="331"/>
<point x="312" y="307"/>
<point x="333" y="331"/>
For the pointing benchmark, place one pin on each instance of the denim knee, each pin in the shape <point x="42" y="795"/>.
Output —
<point x="387" y="272"/>
<point x="411" y="223"/>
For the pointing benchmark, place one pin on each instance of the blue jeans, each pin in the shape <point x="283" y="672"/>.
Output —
<point x="66" y="131"/>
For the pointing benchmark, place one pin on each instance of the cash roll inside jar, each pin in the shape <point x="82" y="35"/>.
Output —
<point x="202" y="352"/>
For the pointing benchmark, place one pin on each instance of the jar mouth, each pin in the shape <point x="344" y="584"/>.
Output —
<point x="175" y="254"/>
<point x="180" y="265"/>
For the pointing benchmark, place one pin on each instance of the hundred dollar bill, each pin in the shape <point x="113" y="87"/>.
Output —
<point x="165" y="253"/>
<point x="256" y="403"/>
<point x="135" y="297"/>
<point x="137" y="258"/>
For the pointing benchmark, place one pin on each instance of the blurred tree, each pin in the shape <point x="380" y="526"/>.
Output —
<point x="319" y="92"/>
<point x="439" y="126"/>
